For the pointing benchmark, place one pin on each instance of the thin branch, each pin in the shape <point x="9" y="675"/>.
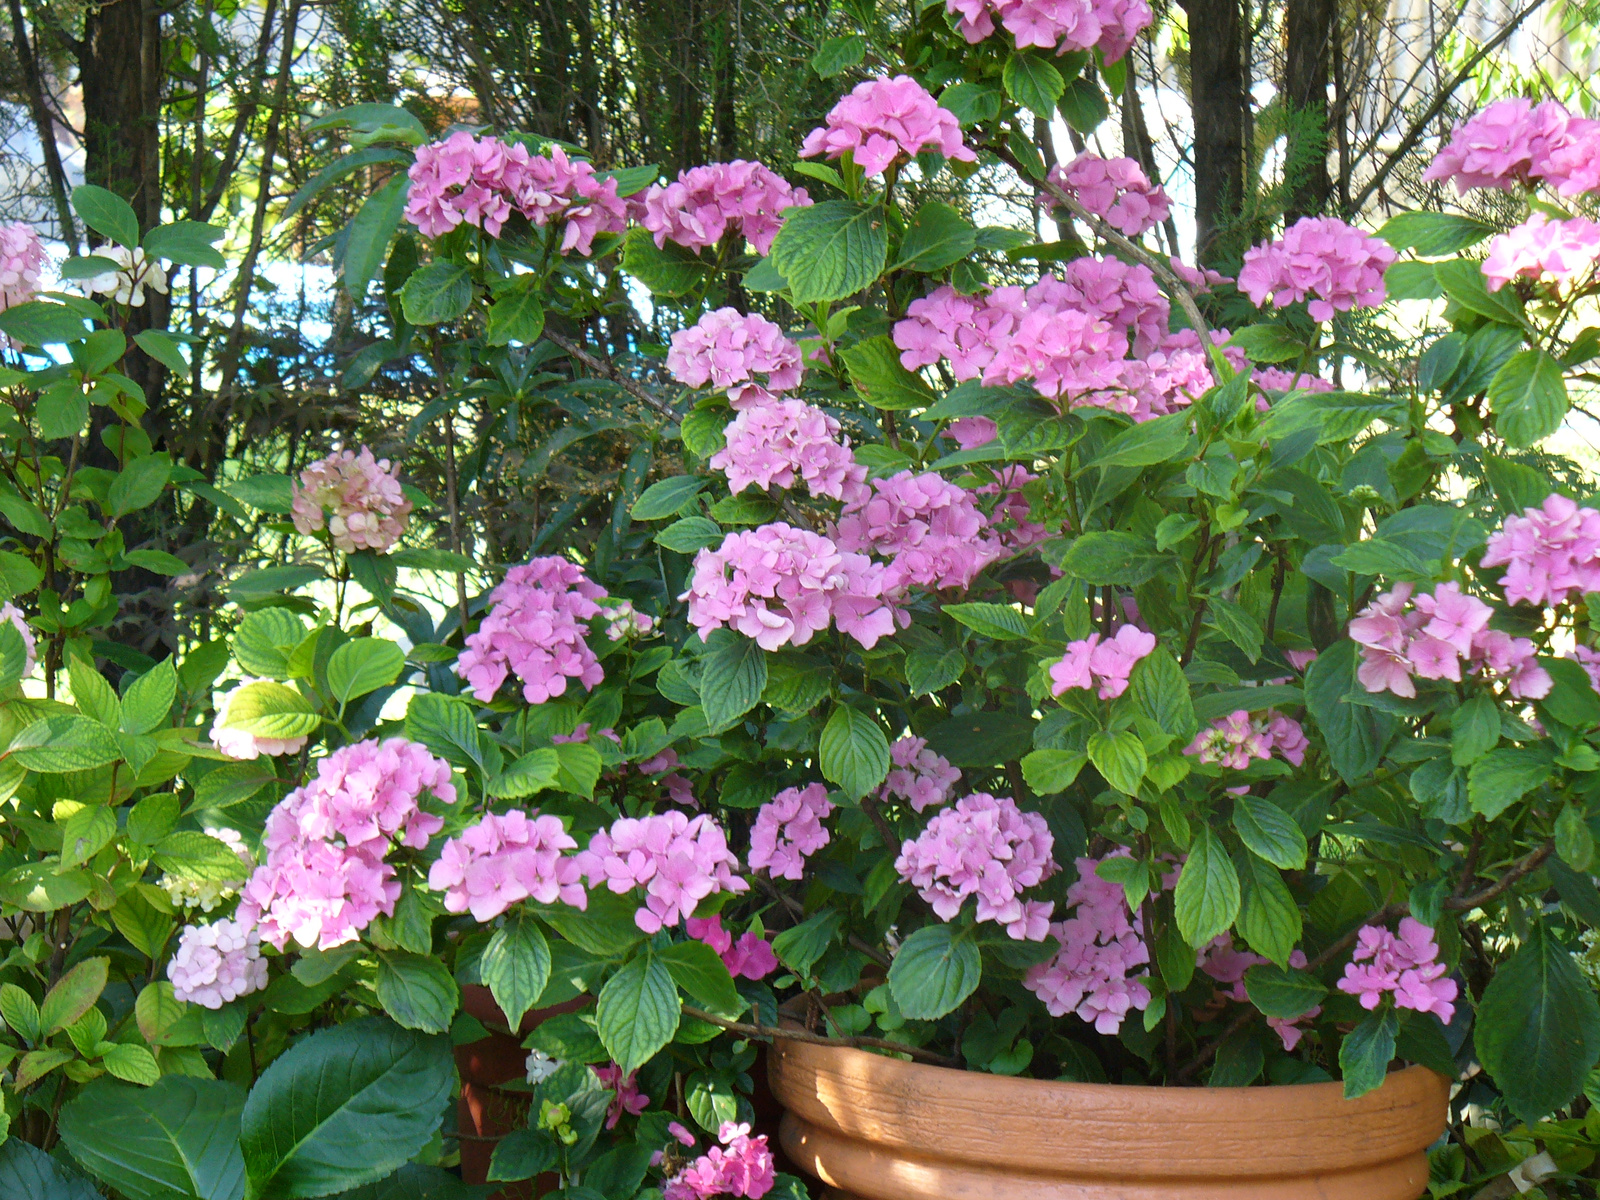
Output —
<point x="45" y="123"/>
<point x="820" y="1039"/>
<point x="608" y="370"/>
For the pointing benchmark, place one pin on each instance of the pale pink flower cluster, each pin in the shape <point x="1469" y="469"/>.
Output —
<point x="1103" y="664"/>
<point x="731" y="352"/>
<point x="919" y="776"/>
<point x="217" y="963"/>
<point x="789" y="829"/>
<point x="1102" y="945"/>
<point x="741" y="1166"/>
<point x="324" y="878"/>
<point x="1515" y="142"/>
<point x="781" y="585"/>
<point x="482" y="181"/>
<point x="1551" y="553"/>
<point x="707" y="202"/>
<point x="236" y="743"/>
<point x="1542" y="247"/>
<point x="501" y="860"/>
<point x="1321" y="257"/>
<point x="750" y="957"/>
<point x="627" y="1098"/>
<point x="678" y="861"/>
<point x="22" y="260"/>
<point x="772" y="445"/>
<point x="1403" y="638"/>
<point x="1114" y="189"/>
<point x="1405" y="965"/>
<point x="1234" y="740"/>
<point x="623" y="620"/>
<point x="30" y="644"/>
<point x="535" y="629"/>
<point x="1275" y="379"/>
<point x="1198" y="279"/>
<point x="359" y="496"/>
<point x="1227" y="965"/>
<point x="884" y="120"/>
<point x="1059" y="25"/>
<point x="931" y="529"/>
<point x="986" y="847"/>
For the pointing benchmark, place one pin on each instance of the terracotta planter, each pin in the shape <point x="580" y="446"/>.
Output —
<point x="877" y="1128"/>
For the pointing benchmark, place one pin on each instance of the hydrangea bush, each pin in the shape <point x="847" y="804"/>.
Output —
<point x="1050" y="660"/>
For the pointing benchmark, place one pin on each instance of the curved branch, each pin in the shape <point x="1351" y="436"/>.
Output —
<point x="608" y="370"/>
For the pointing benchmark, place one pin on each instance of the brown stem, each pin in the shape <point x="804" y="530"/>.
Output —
<point x="880" y="822"/>
<point x="819" y="1039"/>
<point x="608" y="370"/>
<point x="453" y="501"/>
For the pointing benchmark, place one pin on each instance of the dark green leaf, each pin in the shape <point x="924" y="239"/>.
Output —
<point x="438" y="292"/>
<point x="1283" y="992"/>
<point x="938" y="237"/>
<point x="732" y="678"/>
<point x="1529" y="397"/>
<point x="1365" y="1054"/>
<point x="875" y="369"/>
<point x="371" y="232"/>
<point x="935" y="969"/>
<point x="177" y="1138"/>
<point x="853" y="752"/>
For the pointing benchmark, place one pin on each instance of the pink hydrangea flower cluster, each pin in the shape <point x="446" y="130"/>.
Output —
<point x="1516" y="141"/>
<point x="324" y="877"/>
<point x="731" y="352"/>
<point x="1540" y="247"/>
<point x="884" y="120"/>
<point x="678" y="861"/>
<point x="1227" y="965"/>
<point x="1103" y="664"/>
<point x="626" y="1098"/>
<point x="781" y="585"/>
<point x="771" y="445"/>
<point x="1430" y="637"/>
<point x="986" y="847"/>
<point x="623" y="620"/>
<point x="236" y="743"/>
<point x="535" y="629"/>
<point x="1102" y="946"/>
<point x="1197" y="279"/>
<point x="919" y="776"/>
<point x="22" y="260"/>
<point x="1114" y="189"/>
<point x="1234" y="740"/>
<point x="1275" y="379"/>
<point x="930" y="528"/>
<point x="217" y="963"/>
<point x="1551" y="553"/>
<point x="789" y="829"/>
<point x="482" y="181"/>
<point x="502" y="860"/>
<point x="1059" y="25"/>
<point x="19" y="622"/>
<point x="1321" y="257"/>
<point x="359" y="496"/>
<point x="1405" y="965"/>
<point x="750" y="957"/>
<point x="741" y="1166"/>
<point x="707" y="202"/>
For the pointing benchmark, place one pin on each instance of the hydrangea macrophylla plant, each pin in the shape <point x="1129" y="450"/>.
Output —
<point x="358" y="497"/>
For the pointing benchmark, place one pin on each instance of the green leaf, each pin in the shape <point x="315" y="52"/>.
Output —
<point x="1283" y="992"/>
<point x="516" y="966"/>
<point x="1237" y="625"/>
<point x="578" y="767"/>
<point x="1267" y="343"/>
<point x="839" y="54"/>
<point x="522" y="1154"/>
<point x="669" y="270"/>
<point x="414" y="1181"/>
<point x="667" y="497"/>
<point x="1034" y="83"/>
<point x="106" y="213"/>
<point x="149" y="698"/>
<point x="1476" y="730"/>
<point x="363" y="665"/>
<point x="191" y="854"/>
<point x="638" y="1011"/>
<point x="1355" y="734"/>
<point x="831" y="250"/>
<point x="700" y="972"/>
<point x="39" y="887"/>
<point x="1378" y="556"/>
<point x="800" y="946"/>
<point x="998" y="621"/>
<point x="40" y="323"/>
<point x="1572" y="699"/>
<point x="367" y="241"/>
<point x="65" y="743"/>
<point x="438" y="292"/>
<point x="264" y="640"/>
<point x="20" y="1012"/>
<point x="271" y="710"/>
<point x="1574" y="842"/>
<point x="417" y="991"/>
<point x="982" y="739"/>
<point x="854" y="752"/>
<point x="1270" y="832"/>
<point x="1207" y="895"/>
<point x="1145" y="444"/>
<point x="85" y="833"/>
<point x="61" y="411"/>
<point x="1050" y="771"/>
<point x="1504" y="776"/>
<point x="1120" y="757"/>
<point x="875" y="369"/>
<point x="138" y="485"/>
<point x="96" y="698"/>
<point x="971" y="102"/>
<point x="176" y="1138"/>
<point x="1538" y="1027"/>
<point x="1108" y="558"/>
<point x="733" y="676"/>
<point x="517" y="316"/>
<point x="13" y="655"/>
<point x="343" y="1107"/>
<point x="690" y="534"/>
<point x="935" y="969"/>
<point x="1433" y="235"/>
<point x="1365" y="1054"/>
<point x="446" y="726"/>
<point x="28" y="1172"/>
<point x="186" y="243"/>
<point x="1083" y="105"/>
<point x="1269" y="919"/>
<point x="938" y="237"/>
<point x="929" y="671"/>
<point x="533" y="772"/>
<point x="1161" y="692"/>
<point x="73" y="995"/>
<point x="1529" y="397"/>
<point x="1463" y="282"/>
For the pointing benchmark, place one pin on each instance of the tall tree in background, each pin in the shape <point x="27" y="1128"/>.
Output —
<point x="1219" y="101"/>
<point x="1309" y="30"/>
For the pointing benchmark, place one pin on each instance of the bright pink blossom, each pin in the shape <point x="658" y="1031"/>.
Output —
<point x="1321" y="257"/>
<point x="883" y="121"/>
<point x="1106" y="664"/>
<point x="917" y="775"/>
<point x="535" y="630"/>
<point x="773" y="445"/>
<point x="1102" y="946"/>
<point x="502" y="860"/>
<point x="1551" y="553"/>
<point x="789" y="829"/>
<point x="1115" y="189"/>
<point x="930" y="528"/>
<point x="359" y="496"/>
<point x="750" y="957"/>
<point x="1405" y="965"/>
<point x="741" y="1166"/>
<point x="731" y="352"/>
<point x="678" y="861"/>
<point x="708" y="202"/>
<point x="972" y="432"/>
<point x="1059" y="25"/>
<point x="1440" y="637"/>
<point x="627" y="1097"/>
<point x="1273" y="379"/>
<point x="1502" y="146"/>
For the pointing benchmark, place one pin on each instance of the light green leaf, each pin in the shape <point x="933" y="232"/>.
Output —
<point x="935" y="969"/>
<point x="416" y="990"/>
<point x="1207" y="895"/>
<point x="363" y="665"/>
<point x="438" y="292"/>
<point x="638" y="1011"/>
<point x="831" y="250"/>
<point x="854" y="752"/>
<point x="516" y="966"/>
<point x="875" y="369"/>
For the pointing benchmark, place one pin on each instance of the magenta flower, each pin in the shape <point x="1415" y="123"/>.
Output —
<point x="1059" y="25"/>
<point x="884" y="121"/>
<point x="930" y="529"/>
<point x="706" y="203"/>
<point x="359" y="496"/>
<point x="1322" y="257"/>
<point x="627" y="1098"/>
<point x="535" y="630"/>
<point x="750" y="957"/>
<point x="1102" y="948"/>
<point x="741" y="1166"/>
<point x="985" y="846"/>
<point x="1091" y="662"/>
<point x="1501" y="146"/>
<point x="788" y="829"/>
<point x="1405" y="966"/>
<point x="1116" y="190"/>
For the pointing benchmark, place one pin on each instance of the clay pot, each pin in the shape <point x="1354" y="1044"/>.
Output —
<point x="878" y="1128"/>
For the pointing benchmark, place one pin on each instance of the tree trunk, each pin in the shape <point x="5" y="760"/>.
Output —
<point x="1309" y="33"/>
<point x="1217" y="96"/>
